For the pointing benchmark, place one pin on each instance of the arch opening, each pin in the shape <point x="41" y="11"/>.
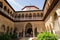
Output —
<point x="28" y="30"/>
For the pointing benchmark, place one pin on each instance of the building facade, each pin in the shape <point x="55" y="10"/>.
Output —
<point x="32" y="22"/>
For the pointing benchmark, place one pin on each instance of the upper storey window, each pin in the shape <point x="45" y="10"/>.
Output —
<point x="5" y="8"/>
<point x="1" y="5"/>
<point x="19" y="15"/>
<point x="22" y="15"/>
<point x="38" y="15"/>
<point x="30" y="15"/>
<point x="55" y="16"/>
<point x="34" y="15"/>
<point x="26" y="15"/>
<point x="41" y="14"/>
<point x="8" y="10"/>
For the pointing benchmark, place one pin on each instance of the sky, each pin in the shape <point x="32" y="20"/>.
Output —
<point x="19" y="4"/>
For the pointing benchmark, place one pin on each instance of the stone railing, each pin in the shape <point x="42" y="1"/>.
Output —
<point x="6" y="13"/>
<point x="23" y="17"/>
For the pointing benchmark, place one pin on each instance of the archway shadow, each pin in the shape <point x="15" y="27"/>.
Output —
<point x="28" y="30"/>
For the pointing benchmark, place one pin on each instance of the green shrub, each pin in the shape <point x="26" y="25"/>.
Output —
<point x="4" y="36"/>
<point x="47" y="36"/>
<point x="13" y="36"/>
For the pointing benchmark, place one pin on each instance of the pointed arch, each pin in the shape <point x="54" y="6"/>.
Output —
<point x="28" y="30"/>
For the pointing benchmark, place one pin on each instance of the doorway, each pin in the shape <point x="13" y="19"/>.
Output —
<point x="28" y="30"/>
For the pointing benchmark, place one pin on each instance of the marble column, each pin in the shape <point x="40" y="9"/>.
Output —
<point x="24" y="32"/>
<point x="58" y="14"/>
<point x="33" y="31"/>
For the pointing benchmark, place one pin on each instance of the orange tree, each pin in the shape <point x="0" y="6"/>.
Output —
<point x="47" y="36"/>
